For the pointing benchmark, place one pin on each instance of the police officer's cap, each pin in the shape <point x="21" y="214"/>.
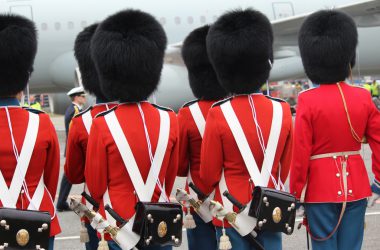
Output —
<point x="327" y="42"/>
<point x="239" y="45"/>
<point x="18" y="47"/>
<point x="128" y="50"/>
<point x="202" y="77"/>
<point x="86" y="65"/>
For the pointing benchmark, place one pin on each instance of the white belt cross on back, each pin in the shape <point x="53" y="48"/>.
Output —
<point x="259" y="178"/>
<point x="9" y="197"/>
<point x="200" y="122"/>
<point x="145" y="191"/>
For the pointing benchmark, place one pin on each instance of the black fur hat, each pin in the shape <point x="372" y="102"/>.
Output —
<point x="128" y="50"/>
<point x="327" y="42"/>
<point x="202" y="77"/>
<point x="86" y="65"/>
<point x="239" y="46"/>
<point x="18" y="47"/>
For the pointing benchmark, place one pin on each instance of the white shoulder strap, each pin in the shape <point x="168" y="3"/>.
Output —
<point x="245" y="222"/>
<point x="144" y="191"/>
<point x="10" y="196"/>
<point x="242" y="143"/>
<point x="87" y="120"/>
<point x="258" y="178"/>
<point x="274" y="136"/>
<point x="198" y="117"/>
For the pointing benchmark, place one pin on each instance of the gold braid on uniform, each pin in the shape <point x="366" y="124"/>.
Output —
<point x="353" y="132"/>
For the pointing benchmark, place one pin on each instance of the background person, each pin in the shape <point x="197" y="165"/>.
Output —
<point x="78" y="100"/>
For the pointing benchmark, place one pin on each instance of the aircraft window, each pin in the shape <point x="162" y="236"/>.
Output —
<point x="163" y="20"/>
<point x="190" y="20"/>
<point x="177" y="20"/>
<point x="57" y="26"/>
<point x="203" y="19"/>
<point x="83" y="24"/>
<point x="70" y="25"/>
<point x="44" y="26"/>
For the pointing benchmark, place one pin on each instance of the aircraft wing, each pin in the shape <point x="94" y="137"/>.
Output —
<point x="287" y="64"/>
<point x="365" y="14"/>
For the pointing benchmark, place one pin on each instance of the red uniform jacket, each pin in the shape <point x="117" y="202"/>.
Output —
<point x="322" y="127"/>
<point x="105" y="168"/>
<point x="220" y="151"/>
<point x="77" y="144"/>
<point x="45" y="158"/>
<point x="191" y="141"/>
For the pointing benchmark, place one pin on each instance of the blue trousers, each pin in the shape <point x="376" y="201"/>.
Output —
<point x="64" y="192"/>
<point x="323" y="217"/>
<point x="113" y="246"/>
<point x="94" y="240"/>
<point x="51" y="243"/>
<point x="203" y="236"/>
<point x="269" y="240"/>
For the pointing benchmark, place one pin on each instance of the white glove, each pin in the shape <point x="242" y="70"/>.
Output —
<point x="372" y="200"/>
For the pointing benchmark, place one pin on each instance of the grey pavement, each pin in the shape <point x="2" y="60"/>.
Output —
<point x="69" y="238"/>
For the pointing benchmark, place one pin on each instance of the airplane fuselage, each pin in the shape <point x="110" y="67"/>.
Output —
<point x="58" y="23"/>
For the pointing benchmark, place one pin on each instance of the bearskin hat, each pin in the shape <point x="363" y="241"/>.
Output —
<point x="327" y="42"/>
<point x="128" y="50"/>
<point x="239" y="46"/>
<point x="18" y="47"/>
<point x="86" y="65"/>
<point x="202" y="77"/>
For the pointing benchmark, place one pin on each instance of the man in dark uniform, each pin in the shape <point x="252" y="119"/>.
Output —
<point x="78" y="99"/>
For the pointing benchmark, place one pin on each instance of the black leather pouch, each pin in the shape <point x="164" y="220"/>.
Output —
<point x="158" y="224"/>
<point x="275" y="210"/>
<point x="24" y="229"/>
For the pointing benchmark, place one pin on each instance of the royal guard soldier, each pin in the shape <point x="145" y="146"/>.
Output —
<point x="29" y="148"/>
<point x="81" y="124"/>
<point x="328" y="173"/>
<point x="132" y="152"/>
<point x="248" y="137"/>
<point x="191" y="119"/>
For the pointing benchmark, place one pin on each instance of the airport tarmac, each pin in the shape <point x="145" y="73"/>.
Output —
<point x="69" y="238"/>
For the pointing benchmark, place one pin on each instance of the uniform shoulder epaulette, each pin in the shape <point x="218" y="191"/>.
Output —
<point x="187" y="104"/>
<point x="306" y="90"/>
<point x="162" y="108"/>
<point x="106" y="112"/>
<point x="275" y="98"/>
<point x="218" y="103"/>
<point x="84" y="111"/>
<point x="35" y="111"/>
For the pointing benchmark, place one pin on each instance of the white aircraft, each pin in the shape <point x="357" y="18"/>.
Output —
<point x="59" y="22"/>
